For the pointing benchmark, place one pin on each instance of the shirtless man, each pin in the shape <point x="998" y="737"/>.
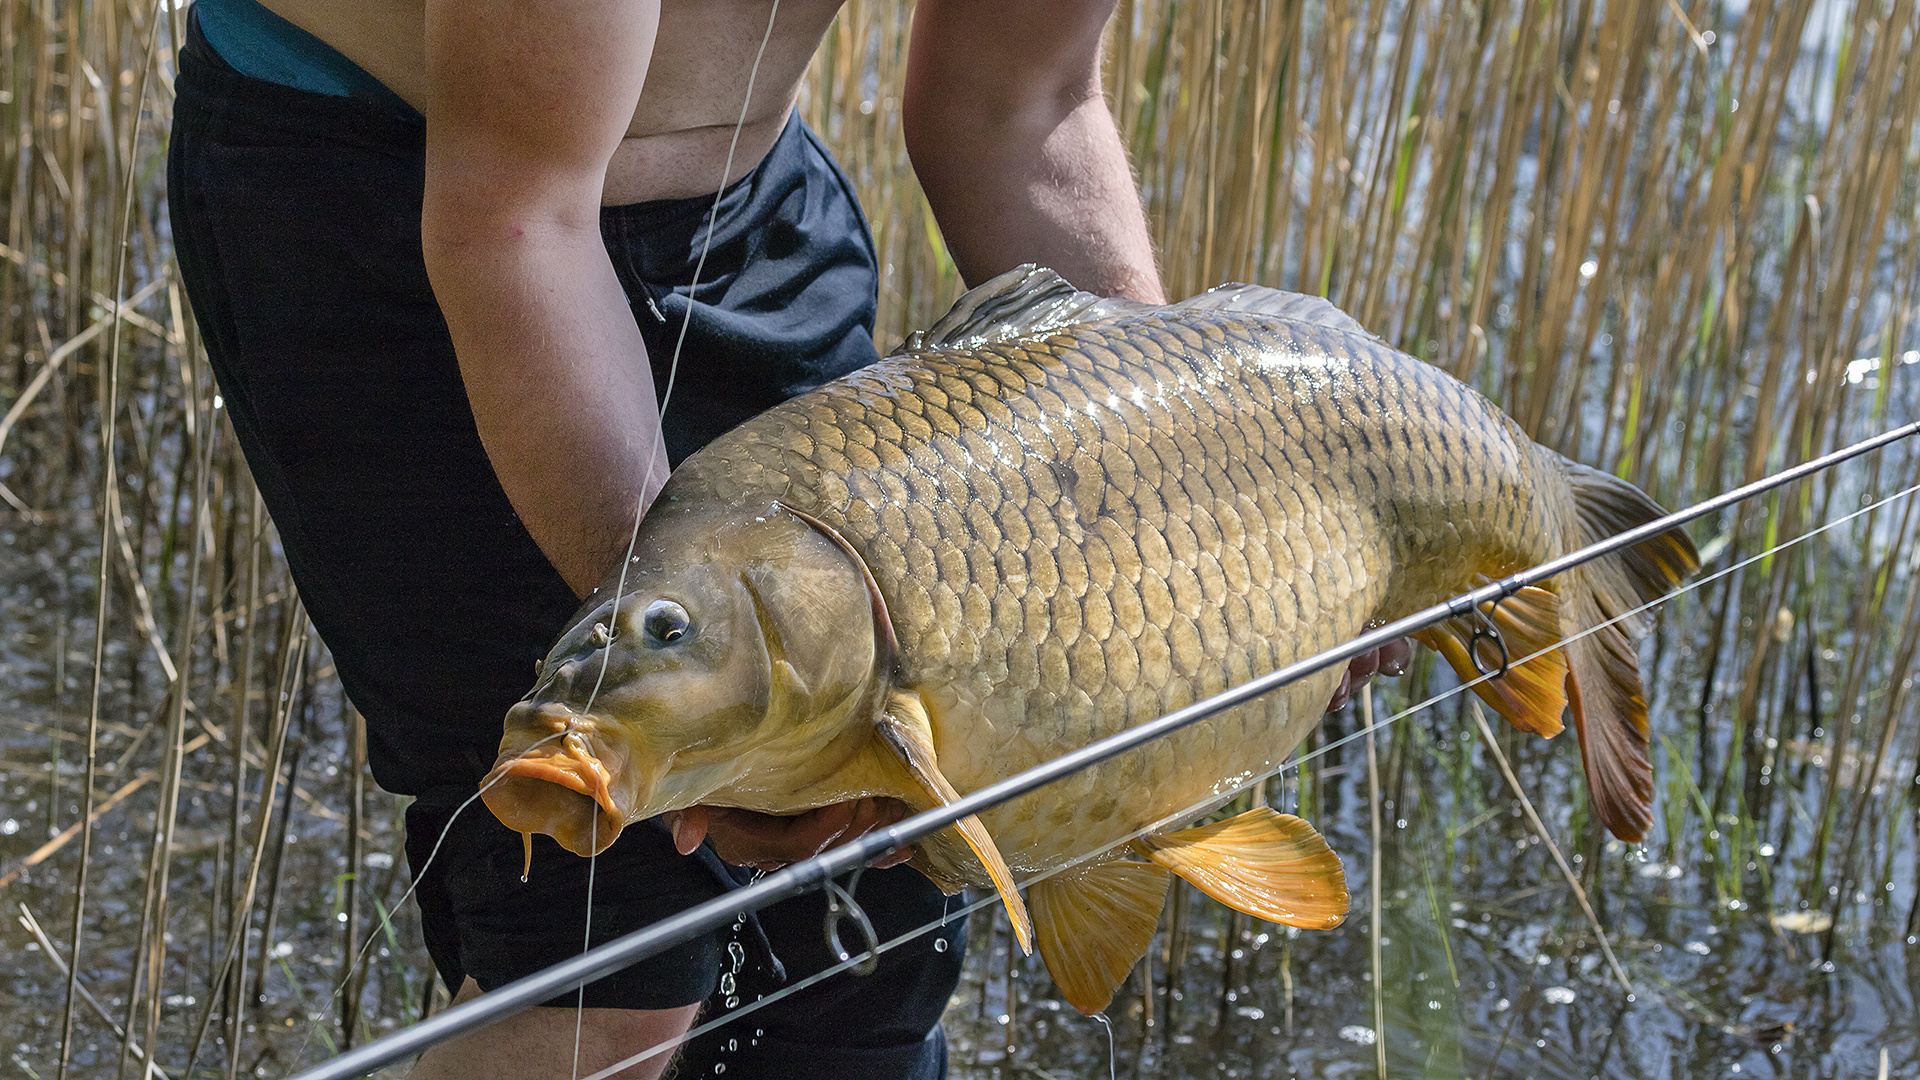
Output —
<point x="442" y="254"/>
<point x="444" y="490"/>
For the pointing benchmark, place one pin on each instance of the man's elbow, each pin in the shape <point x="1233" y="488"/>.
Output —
<point x="475" y="203"/>
<point x="938" y="105"/>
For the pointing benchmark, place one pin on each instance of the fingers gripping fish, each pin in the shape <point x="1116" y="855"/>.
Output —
<point x="1047" y="518"/>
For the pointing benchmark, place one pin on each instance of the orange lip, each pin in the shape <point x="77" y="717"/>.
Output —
<point x="565" y="794"/>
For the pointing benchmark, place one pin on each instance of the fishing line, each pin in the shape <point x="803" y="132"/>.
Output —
<point x="842" y="907"/>
<point x="815" y="872"/>
<point x="654" y="452"/>
<point x="586" y="942"/>
<point x="679" y="342"/>
<point x="1113" y="1068"/>
<point x="1697" y="583"/>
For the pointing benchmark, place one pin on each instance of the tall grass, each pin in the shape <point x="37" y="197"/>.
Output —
<point x="1678" y="240"/>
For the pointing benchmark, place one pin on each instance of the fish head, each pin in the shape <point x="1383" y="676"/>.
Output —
<point x="734" y="662"/>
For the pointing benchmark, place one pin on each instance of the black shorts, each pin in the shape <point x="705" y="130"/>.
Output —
<point x="296" y="225"/>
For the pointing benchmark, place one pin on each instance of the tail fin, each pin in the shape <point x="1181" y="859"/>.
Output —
<point x="1603" y="674"/>
<point x="1598" y="675"/>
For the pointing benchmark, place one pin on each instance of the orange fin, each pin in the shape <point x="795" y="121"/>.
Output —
<point x="1094" y="923"/>
<point x="1262" y="862"/>
<point x="906" y="728"/>
<point x="1603" y="683"/>
<point x="1529" y="695"/>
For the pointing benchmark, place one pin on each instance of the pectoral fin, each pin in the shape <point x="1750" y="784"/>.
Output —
<point x="1094" y="923"/>
<point x="1531" y="695"/>
<point x="905" y="727"/>
<point x="1262" y="862"/>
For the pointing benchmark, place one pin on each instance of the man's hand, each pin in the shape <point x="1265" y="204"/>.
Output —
<point x="770" y="841"/>
<point x="1388" y="659"/>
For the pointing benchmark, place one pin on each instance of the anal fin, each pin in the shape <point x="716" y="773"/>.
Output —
<point x="1532" y="696"/>
<point x="1093" y="923"/>
<point x="907" y="729"/>
<point x="1262" y="862"/>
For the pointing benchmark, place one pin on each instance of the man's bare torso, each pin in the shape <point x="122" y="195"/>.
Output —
<point x="696" y="81"/>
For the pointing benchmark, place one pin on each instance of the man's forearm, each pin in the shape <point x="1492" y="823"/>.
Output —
<point x="1066" y="200"/>
<point x="1017" y="150"/>
<point x="561" y="389"/>
<point x="525" y="106"/>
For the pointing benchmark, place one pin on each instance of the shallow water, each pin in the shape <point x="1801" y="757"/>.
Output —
<point x="1490" y="970"/>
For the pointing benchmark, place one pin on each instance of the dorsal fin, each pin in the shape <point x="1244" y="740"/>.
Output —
<point x="1278" y="303"/>
<point x="1030" y="300"/>
<point x="1025" y="300"/>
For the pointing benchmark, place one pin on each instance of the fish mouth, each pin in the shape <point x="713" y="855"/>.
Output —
<point x="565" y="792"/>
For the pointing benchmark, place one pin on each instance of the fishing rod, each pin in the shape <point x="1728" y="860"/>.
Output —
<point x="819" y="871"/>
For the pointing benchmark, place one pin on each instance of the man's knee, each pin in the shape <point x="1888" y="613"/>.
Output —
<point x="543" y="1042"/>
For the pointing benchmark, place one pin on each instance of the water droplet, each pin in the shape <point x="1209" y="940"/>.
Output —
<point x="939" y="944"/>
<point x="726" y="983"/>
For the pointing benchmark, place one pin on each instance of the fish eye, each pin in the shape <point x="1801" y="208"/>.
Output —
<point x="666" y="622"/>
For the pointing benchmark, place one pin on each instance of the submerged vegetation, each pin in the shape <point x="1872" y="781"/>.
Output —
<point x="1677" y="240"/>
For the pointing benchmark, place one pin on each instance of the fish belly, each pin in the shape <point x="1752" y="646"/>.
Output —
<point x="1081" y="532"/>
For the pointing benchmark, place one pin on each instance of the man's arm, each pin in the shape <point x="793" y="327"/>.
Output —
<point x="526" y="105"/>
<point x="1011" y="137"/>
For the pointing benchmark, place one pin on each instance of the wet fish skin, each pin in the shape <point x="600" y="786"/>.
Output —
<point x="1051" y="517"/>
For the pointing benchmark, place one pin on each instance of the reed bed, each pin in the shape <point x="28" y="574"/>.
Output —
<point x="1680" y="241"/>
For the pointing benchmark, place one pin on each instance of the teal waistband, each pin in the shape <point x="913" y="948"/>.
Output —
<point x="260" y="44"/>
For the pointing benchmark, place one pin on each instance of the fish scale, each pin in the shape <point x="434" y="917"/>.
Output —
<point x="1180" y="629"/>
<point x="1046" y="519"/>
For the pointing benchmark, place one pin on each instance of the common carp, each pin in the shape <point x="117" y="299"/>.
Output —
<point x="1047" y="518"/>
